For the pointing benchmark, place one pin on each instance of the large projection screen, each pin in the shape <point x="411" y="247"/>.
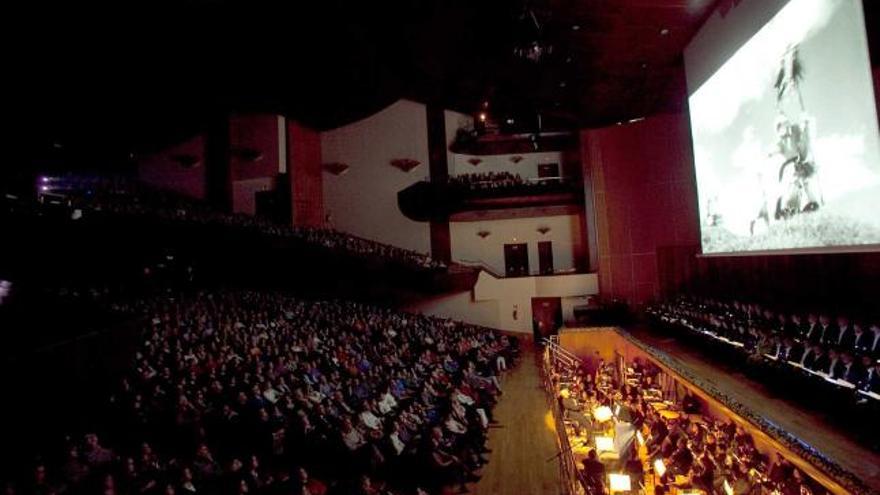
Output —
<point x="786" y="141"/>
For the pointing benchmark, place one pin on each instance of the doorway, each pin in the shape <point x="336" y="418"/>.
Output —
<point x="546" y="316"/>
<point x="516" y="260"/>
<point x="545" y="257"/>
<point x="549" y="172"/>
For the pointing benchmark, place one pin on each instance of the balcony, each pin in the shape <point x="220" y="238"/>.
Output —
<point x="425" y="201"/>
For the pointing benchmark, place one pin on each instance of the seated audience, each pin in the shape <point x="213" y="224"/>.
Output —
<point x="260" y="393"/>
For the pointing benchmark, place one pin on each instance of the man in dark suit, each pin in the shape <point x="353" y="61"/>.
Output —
<point x="871" y="380"/>
<point x="861" y="338"/>
<point x="827" y="331"/>
<point x="874" y="348"/>
<point x="788" y="350"/>
<point x="815" y="359"/>
<point x="785" y="326"/>
<point x="811" y="330"/>
<point x="834" y="368"/>
<point x="593" y="470"/>
<point x="850" y="371"/>
<point x="845" y="333"/>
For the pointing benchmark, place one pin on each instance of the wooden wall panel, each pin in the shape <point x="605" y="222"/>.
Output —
<point x="645" y="200"/>
<point x="306" y="176"/>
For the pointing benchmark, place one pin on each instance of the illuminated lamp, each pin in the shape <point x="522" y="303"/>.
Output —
<point x="659" y="467"/>
<point x="619" y="483"/>
<point x="482" y="116"/>
<point x="604" y="444"/>
<point x="602" y="413"/>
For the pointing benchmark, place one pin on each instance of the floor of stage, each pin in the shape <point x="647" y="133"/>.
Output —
<point x="810" y="426"/>
<point x="525" y="437"/>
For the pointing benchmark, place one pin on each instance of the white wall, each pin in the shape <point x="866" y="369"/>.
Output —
<point x="493" y="301"/>
<point x="566" y="234"/>
<point x="460" y="306"/>
<point x="363" y="201"/>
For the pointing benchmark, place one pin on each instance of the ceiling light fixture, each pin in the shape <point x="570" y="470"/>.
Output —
<point x="664" y="32"/>
<point x="575" y="27"/>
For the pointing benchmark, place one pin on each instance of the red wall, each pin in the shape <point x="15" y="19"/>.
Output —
<point x="306" y="179"/>
<point x="257" y="133"/>
<point x="646" y="203"/>
<point x="165" y="170"/>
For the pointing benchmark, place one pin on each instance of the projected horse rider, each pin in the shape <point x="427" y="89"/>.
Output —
<point x="798" y="183"/>
<point x="795" y="190"/>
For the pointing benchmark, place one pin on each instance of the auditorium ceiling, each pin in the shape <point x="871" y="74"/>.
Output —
<point x="101" y="78"/>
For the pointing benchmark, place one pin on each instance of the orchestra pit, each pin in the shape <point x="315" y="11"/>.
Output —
<point x="500" y="247"/>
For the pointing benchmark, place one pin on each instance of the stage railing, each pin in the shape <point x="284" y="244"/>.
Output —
<point x="559" y="355"/>
<point x="568" y="472"/>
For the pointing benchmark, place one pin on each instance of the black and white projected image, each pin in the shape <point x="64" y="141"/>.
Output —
<point x="786" y="143"/>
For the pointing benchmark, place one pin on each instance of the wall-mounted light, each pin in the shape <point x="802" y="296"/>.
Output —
<point x="248" y="154"/>
<point x="187" y="161"/>
<point x="482" y="116"/>
<point x="475" y="161"/>
<point x="484" y="233"/>
<point x="335" y="168"/>
<point x="516" y="158"/>
<point x="543" y="229"/>
<point x="405" y="164"/>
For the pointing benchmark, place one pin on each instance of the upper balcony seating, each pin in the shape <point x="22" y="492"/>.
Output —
<point x="424" y="201"/>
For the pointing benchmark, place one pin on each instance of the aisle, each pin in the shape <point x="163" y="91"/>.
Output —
<point x="525" y="439"/>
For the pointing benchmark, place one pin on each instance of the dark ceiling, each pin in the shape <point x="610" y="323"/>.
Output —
<point x="100" y="80"/>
